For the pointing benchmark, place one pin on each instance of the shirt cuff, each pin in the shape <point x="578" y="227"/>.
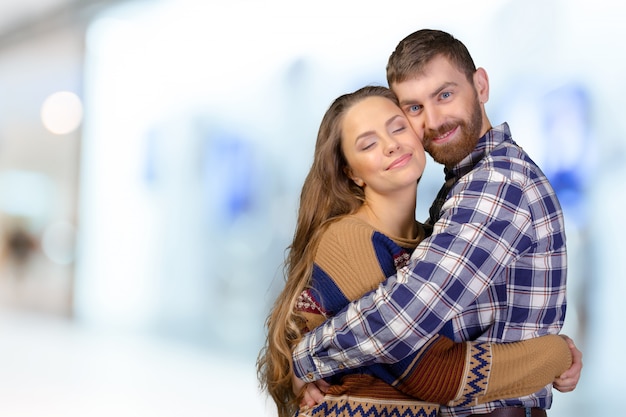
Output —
<point x="303" y="365"/>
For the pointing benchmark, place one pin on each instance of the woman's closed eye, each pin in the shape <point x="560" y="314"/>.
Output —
<point x="367" y="144"/>
<point x="397" y="126"/>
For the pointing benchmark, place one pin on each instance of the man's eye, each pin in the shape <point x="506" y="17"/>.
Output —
<point x="414" y="108"/>
<point x="446" y="94"/>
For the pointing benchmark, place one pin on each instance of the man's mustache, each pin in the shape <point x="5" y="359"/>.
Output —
<point x="431" y="134"/>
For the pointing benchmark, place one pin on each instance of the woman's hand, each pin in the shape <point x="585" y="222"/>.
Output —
<point x="568" y="380"/>
<point x="312" y="392"/>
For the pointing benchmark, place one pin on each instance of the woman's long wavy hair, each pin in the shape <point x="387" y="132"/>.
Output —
<point x="327" y="194"/>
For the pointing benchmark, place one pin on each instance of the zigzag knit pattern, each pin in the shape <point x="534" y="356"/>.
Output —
<point x="477" y="376"/>
<point x="346" y="406"/>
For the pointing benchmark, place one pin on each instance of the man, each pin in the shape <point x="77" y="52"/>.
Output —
<point x="496" y="261"/>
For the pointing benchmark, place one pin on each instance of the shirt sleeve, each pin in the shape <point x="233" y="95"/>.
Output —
<point x="485" y="226"/>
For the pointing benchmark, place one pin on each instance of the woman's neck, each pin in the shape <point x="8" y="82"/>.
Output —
<point x="392" y="216"/>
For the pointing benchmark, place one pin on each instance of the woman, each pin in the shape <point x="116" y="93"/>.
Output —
<point x="357" y="219"/>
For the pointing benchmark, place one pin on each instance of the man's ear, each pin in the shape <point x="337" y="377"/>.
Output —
<point x="481" y="83"/>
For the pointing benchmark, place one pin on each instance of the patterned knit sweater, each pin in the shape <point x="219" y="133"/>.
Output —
<point x="352" y="259"/>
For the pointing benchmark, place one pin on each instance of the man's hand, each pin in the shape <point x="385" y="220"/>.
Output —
<point x="569" y="379"/>
<point x="312" y="393"/>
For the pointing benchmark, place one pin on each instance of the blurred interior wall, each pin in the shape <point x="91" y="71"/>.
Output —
<point x="38" y="169"/>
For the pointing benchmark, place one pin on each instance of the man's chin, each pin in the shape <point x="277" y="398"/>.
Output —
<point x="447" y="160"/>
<point x="452" y="152"/>
<point x="441" y="155"/>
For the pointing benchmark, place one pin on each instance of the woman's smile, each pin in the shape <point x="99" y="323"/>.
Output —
<point x="400" y="162"/>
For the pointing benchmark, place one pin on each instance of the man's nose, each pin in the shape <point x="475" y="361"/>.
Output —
<point x="432" y="119"/>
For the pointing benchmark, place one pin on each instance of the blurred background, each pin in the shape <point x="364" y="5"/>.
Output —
<point x="151" y="159"/>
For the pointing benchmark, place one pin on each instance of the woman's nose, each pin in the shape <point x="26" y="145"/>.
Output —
<point x="391" y="146"/>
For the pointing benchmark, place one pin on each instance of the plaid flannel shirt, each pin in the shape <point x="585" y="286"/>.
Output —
<point x="495" y="265"/>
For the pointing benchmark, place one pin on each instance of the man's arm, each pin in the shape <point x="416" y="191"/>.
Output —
<point x="480" y="233"/>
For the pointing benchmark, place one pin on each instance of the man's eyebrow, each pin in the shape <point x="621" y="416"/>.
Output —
<point x="443" y="87"/>
<point x="407" y="102"/>
<point x="435" y="93"/>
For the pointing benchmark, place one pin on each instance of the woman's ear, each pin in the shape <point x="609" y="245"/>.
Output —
<point x="358" y="181"/>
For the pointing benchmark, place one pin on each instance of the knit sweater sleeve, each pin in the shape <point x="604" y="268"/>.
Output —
<point x="346" y="253"/>
<point x="345" y="268"/>
<point x="521" y="368"/>
<point x="471" y="373"/>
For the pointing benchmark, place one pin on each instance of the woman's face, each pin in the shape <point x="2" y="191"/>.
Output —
<point x="383" y="152"/>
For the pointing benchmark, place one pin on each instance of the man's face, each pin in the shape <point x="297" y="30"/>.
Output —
<point x="444" y="109"/>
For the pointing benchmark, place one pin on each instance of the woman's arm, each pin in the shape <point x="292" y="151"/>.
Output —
<point x="470" y="373"/>
<point x="531" y="362"/>
<point x="568" y="380"/>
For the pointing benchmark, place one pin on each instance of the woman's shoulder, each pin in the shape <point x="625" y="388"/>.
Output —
<point x="348" y="225"/>
<point x="346" y="233"/>
<point x="351" y="227"/>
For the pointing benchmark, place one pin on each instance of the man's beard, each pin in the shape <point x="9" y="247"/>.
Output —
<point x="451" y="153"/>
